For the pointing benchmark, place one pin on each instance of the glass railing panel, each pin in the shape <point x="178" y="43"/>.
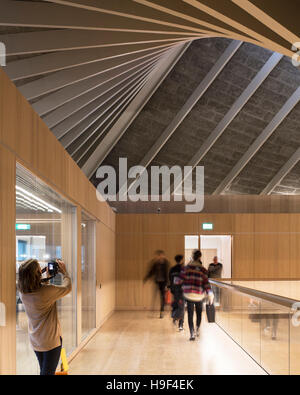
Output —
<point x="251" y="323"/>
<point x="275" y="321"/>
<point x="295" y="343"/>
<point x="235" y="317"/>
<point x="221" y="306"/>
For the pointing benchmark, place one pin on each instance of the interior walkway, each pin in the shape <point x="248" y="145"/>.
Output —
<point x="141" y="343"/>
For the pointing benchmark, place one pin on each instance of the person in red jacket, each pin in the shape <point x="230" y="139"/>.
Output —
<point x="195" y="287"/>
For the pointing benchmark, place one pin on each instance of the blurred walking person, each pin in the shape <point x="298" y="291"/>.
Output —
<point x="195" y="288"/>
<point x="215" y="272"/>
<point x="176" y="289"/>
<point x="159" y="270"/>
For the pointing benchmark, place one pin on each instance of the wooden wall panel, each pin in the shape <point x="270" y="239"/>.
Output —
<point x="131" y="270"/>
<point x="243" y="256"/>
<point x="24" y="133"/>
<point x="223" y="223"/>
<point x="295" y="246"/>
<point x="26" y="139"/>
<point x="272" y="246"/>
<point x="187" y="224"/>
<point x="20" y="128"/>
<point x="7" y="261"/>
<point x="105" y="272"/>
<point x="264" y="246"/>
<point x="243" y="246"/>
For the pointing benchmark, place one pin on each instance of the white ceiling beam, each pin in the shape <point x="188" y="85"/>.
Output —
<point x="56" y="99"/>
<point x="78" y="130"/>
<point x="258" y="143"/>
<point x="84" y="138"/>
<point x="119" y="128"/>
<point x="65" y="111"/>
<point x="52" y="82"/>
<point x="49" y="63"/>
<point x="55" y="16"/>
<point x="284" y="171"/>
<point x="232" y="113"/>
<point x="71" y="122"/>
<point x="131" y="10"/>
<point x="79" y="156"/>
<point x="191" y="102"/>
<point x="66" y="40"/>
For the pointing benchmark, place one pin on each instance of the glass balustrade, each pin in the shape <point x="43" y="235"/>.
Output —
<point x="262" y="317"/>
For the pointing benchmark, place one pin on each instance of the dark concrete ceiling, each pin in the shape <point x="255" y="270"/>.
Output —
<point x="238" y="136"/>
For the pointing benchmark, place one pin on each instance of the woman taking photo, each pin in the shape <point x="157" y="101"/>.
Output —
<point x="39" y="299"/>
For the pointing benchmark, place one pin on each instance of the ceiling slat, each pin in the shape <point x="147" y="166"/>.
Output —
<point x="191" y="102"/>
<point x="258" y="143"/>
<point x="63" y="78"/>
<point x="276" y="180"/>
<point x="96" y="131"/>
<point x="90" y="108"/>
<point x="56" y="99"/>
<point x="69" y="39"/>
<point x="131" y="10"/>
<point x="78" y="134"/>
<point x="135" y="107"/>
<point x="51" y="62"/>
<point x="232" y="113"/>
<point x="63" y="112"/>
<point x="55" y="16"/>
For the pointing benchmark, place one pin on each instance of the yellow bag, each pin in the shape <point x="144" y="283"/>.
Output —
<point x="64" y="367"/>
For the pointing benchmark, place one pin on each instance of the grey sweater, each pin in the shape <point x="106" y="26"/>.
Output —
<point x="40" y="306"/>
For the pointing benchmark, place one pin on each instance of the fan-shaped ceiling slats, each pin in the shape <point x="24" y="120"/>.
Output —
<point x="51" y="62"/>
<point x="64" y="78"/>
<point x="66" y="110"/>
<point x="35" y="14"/>
<point x="89" y="68"/>
<point x="86" y="112"/>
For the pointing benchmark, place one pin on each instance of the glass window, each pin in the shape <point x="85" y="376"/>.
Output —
<point x="45" y="230"/>
<point x="88" y="275"/>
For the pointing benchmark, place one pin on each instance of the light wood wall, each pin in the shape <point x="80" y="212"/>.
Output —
<point x="24" y="138"/>
<point x="265" y="246"/>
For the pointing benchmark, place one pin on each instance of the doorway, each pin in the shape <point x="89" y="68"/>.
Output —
<point x="211" y="246"/>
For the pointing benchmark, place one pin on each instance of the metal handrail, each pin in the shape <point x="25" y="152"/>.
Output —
<point x="283" y="301"/>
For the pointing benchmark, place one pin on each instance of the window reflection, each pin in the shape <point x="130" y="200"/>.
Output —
<point x="88" y="275"/>
<point x="45" y="229"/>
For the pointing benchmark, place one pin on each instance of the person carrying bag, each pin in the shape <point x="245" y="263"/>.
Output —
<point x="196" y="288"/>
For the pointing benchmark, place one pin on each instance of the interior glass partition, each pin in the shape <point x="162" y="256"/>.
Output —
<point x="45" y="230"/>
<point x="88" y="275"/>
<point x="264" y="324"/>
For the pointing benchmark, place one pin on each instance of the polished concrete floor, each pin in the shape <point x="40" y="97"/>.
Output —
<point x="141" y="343"/>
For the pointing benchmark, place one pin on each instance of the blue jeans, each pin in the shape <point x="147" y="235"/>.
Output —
<point x="48" y="360"/>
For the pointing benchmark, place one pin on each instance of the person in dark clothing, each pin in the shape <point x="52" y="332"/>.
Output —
<point x="176" y="289"/>
<point x="215" y="269"/>
<point x="196" y="288"/>
<point x="159" y="270"/>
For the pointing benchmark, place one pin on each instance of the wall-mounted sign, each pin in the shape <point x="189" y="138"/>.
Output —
<point x="23" y="227"/>
<point x="207" y="226"/>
